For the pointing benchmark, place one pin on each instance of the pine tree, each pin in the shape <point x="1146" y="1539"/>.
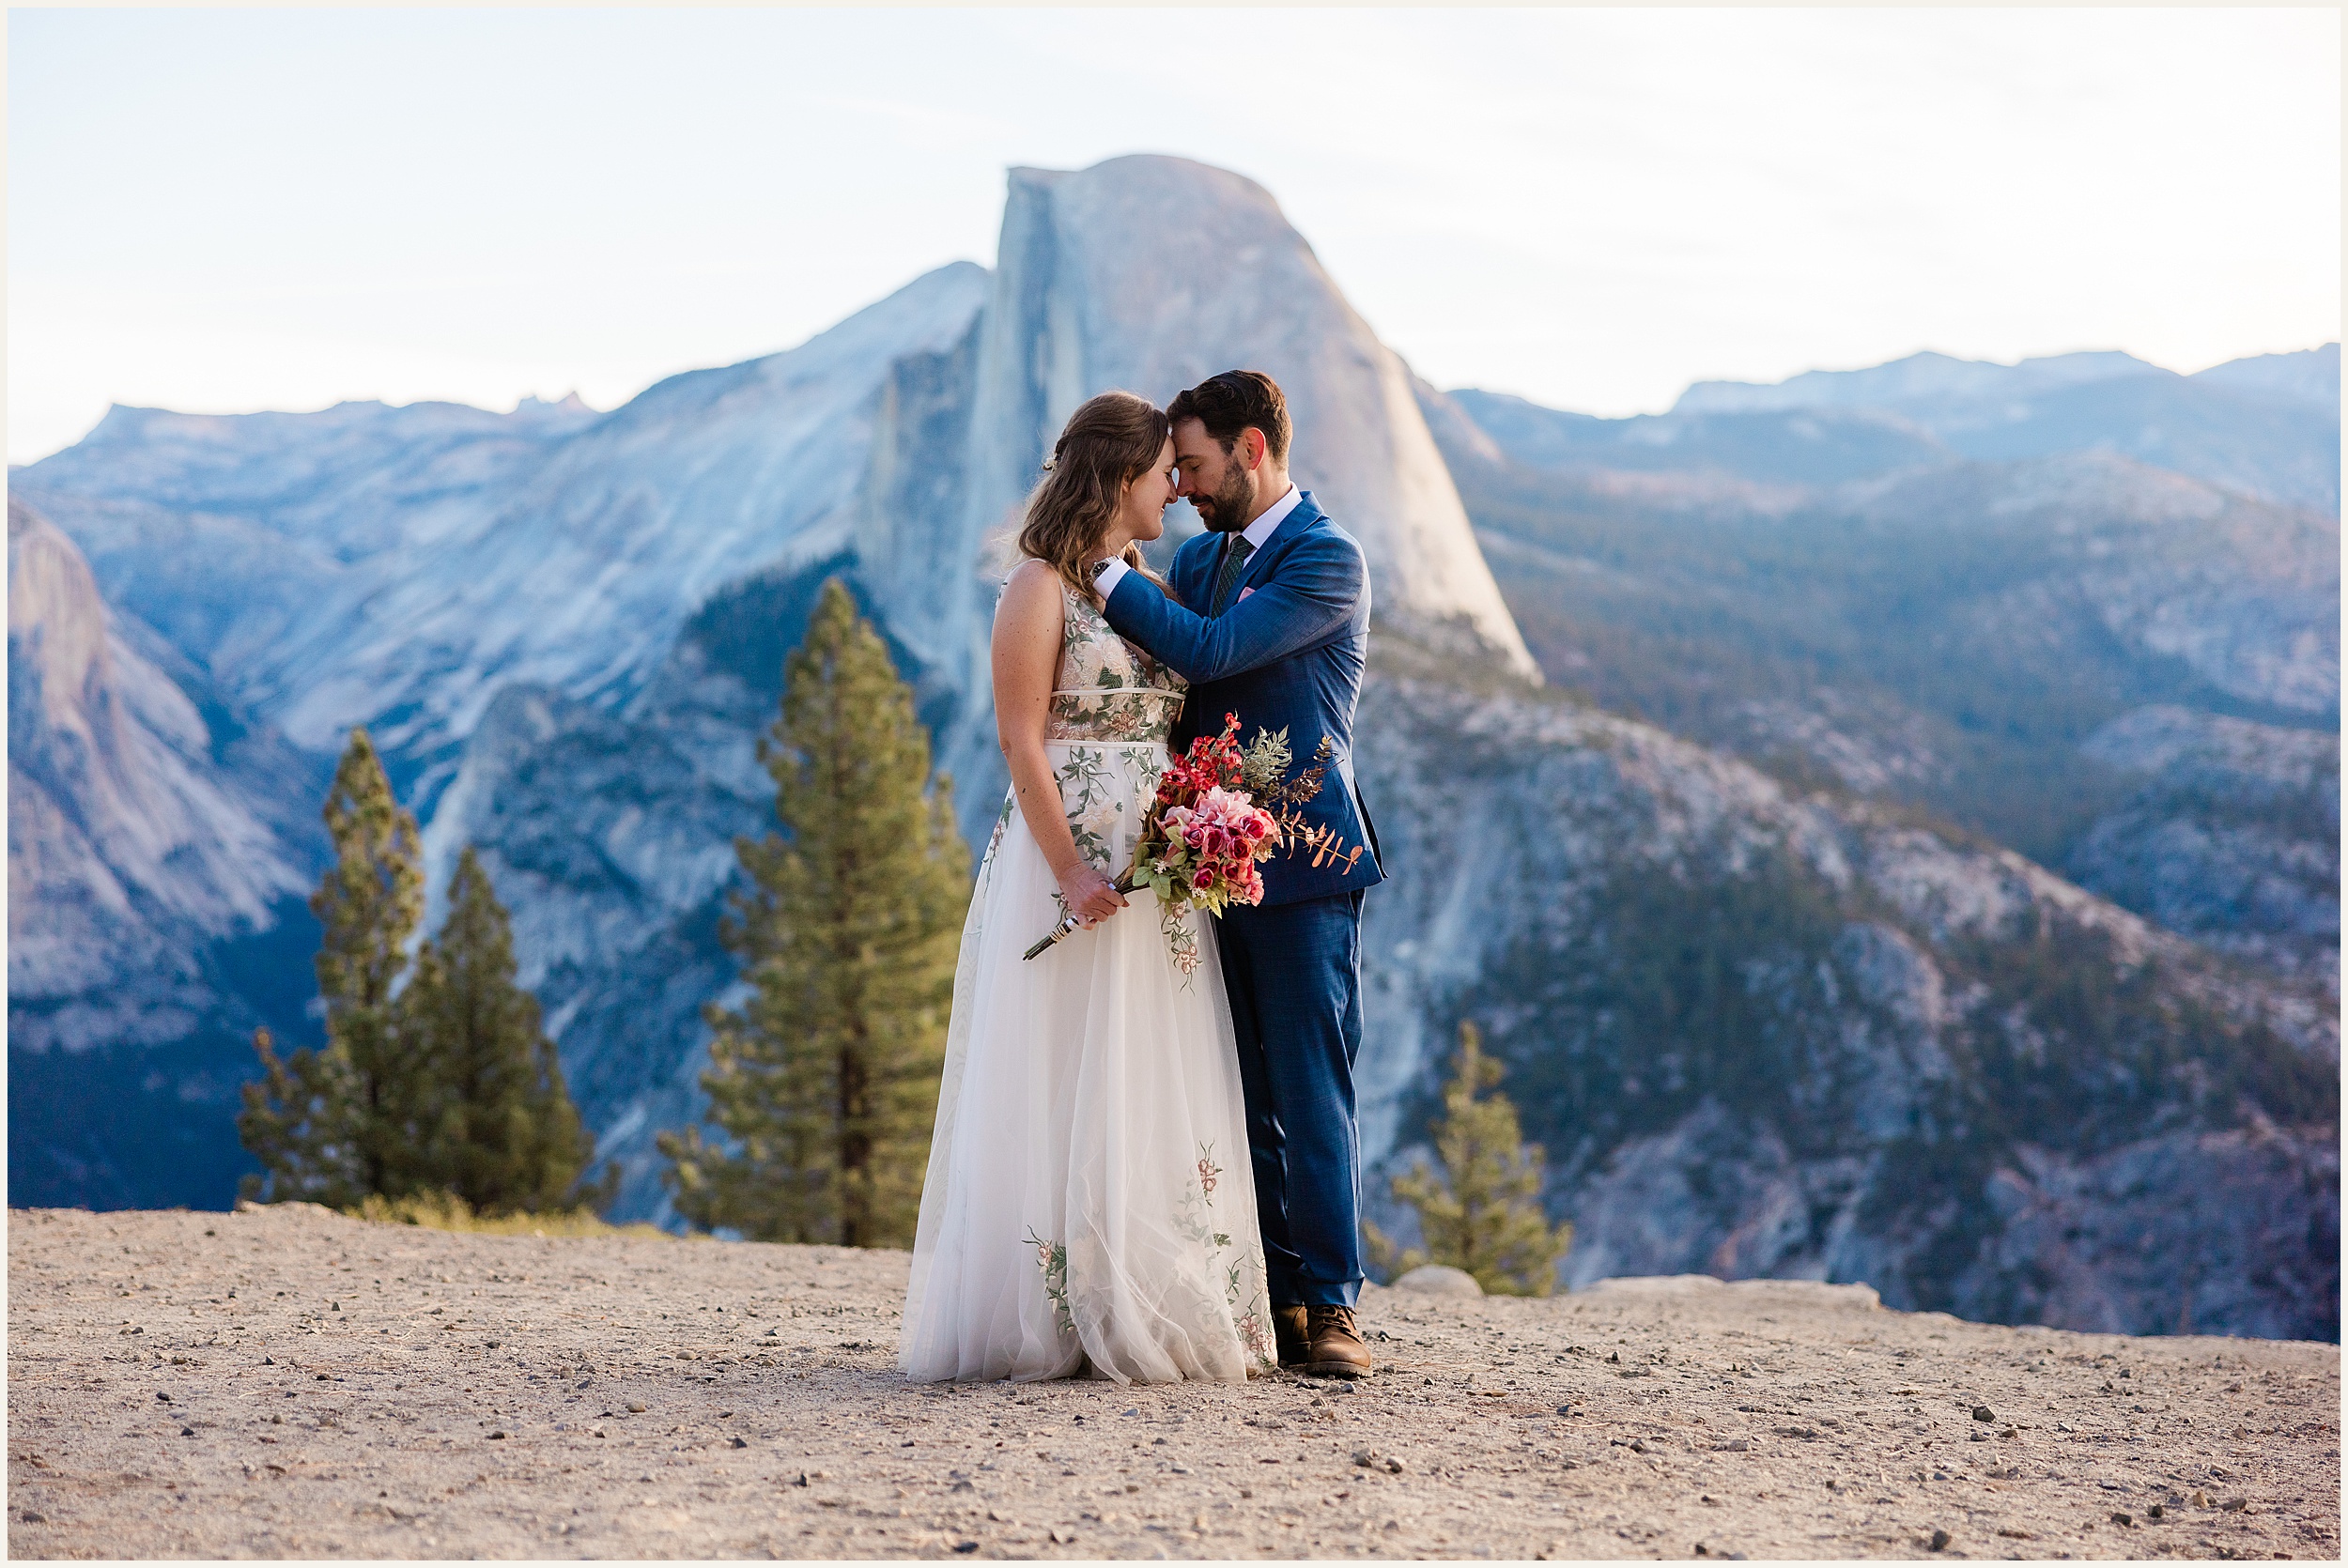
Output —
<point x="336" y="1124"/>
<point x="502" y="1135"/>
<point x="1484" y="1213"/>
<point x="824" y="1082"/>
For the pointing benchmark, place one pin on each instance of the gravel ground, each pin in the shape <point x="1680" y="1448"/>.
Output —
<point x="288" y="1383"/>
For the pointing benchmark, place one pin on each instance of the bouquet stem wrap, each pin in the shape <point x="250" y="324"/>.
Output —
<point x="1069" y="924"/>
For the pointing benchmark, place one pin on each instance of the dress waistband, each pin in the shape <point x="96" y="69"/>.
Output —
<point x="1088" y="740"/>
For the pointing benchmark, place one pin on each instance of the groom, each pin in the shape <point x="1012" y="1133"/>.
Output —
<point x="1276" y="633"/>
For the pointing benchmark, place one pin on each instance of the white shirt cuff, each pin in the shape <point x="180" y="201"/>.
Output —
<point x="1111" y="573"/>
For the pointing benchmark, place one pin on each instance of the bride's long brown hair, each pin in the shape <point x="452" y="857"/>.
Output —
<point x="1108" y="442"/>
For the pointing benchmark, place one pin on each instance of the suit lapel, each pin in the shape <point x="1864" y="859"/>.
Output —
<point x="1194" y="583"/>
<point x="1306" y="514"/>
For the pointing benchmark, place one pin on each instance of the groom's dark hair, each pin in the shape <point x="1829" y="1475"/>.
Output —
<point x="1233" y="402"/>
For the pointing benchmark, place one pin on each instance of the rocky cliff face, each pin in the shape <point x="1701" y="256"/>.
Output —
<point x="1765" y="1031"/>
<point x="1153" y="274"/>
<point x="2229" y="834"/>
<point x="159" y="843"/>
<point x="1763" y="1027"/>
<point x="2243" y="594"/>
<point x="132" y="838"/>
<point x="399" y="567"/>
<point x="1961" y="637"/>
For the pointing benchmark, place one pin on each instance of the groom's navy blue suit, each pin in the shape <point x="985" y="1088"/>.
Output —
<point x="1286" y="652"/>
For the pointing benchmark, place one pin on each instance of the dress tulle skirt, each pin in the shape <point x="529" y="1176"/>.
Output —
<point x="1090" y="1209"/>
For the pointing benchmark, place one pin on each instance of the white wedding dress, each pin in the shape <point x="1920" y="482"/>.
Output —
<point x="1089" y="1208"/>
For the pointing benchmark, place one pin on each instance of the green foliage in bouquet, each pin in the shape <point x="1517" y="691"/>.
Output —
<point x="445" y="1084"/>
<point x="824" y="1083"/>
<point x="1483" y="1213"/>
<point x="1264" y="764"/>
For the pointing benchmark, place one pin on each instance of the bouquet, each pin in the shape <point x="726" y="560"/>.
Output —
<point x="1204" y="834"/>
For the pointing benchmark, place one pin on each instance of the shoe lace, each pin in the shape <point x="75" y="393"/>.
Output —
<point x="1332" y="1316"/>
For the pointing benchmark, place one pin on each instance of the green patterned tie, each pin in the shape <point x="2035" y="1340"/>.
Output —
<point x="1235" y="554"/>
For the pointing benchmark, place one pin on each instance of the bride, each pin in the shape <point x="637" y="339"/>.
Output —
<point x="1089" y="1206"/>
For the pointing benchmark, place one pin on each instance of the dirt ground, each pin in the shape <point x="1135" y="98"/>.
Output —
<point x="288" y="1383"/>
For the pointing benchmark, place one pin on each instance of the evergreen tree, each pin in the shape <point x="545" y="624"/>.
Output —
<point x="824" y="1082"/>
<point x="336" y="1124"/>
<point x="504" y="1135"/>
<point x="1484" y="1213"/>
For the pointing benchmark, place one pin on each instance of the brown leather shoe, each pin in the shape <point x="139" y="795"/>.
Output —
<point x="1289" y="1329"/>
<point x="1335" y="1347"/>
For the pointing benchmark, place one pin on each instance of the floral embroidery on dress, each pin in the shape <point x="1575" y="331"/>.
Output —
<point x="1003" y="821"/>
<point x="1108" y="690"/>
<point x="1052" y="1258"/>
<point x="1181" y="941"/>
<point x="1250" y="1327"/>
<point x="1243" y="1290"/>
<point x="1197" y="1219"/>
<point x="1088" y="795"/>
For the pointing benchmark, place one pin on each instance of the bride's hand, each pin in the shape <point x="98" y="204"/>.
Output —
<point x="1090" y="894"/>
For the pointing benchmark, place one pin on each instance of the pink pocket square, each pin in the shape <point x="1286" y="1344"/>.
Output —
<point x="1245" y="591"/>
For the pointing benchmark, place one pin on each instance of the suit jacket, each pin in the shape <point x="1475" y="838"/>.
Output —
<point x="1287" y="655"/>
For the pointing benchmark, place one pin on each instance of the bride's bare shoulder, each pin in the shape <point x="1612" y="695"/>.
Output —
<point x="1031" y="600"/>
<point x="1032" y="576"/>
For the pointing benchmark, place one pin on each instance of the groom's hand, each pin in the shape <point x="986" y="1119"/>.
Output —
<point x="1090" y="894"/>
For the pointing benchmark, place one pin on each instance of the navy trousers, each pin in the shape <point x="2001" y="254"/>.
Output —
<point x="1294" y="975"/>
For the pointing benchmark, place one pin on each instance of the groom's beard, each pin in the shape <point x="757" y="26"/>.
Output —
<point x="1226" y="510"/>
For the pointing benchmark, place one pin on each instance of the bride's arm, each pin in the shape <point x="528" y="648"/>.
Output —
<point x="1028" y="630"/>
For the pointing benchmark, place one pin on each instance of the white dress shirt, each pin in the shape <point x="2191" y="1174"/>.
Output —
<point x="1114" y="570"/>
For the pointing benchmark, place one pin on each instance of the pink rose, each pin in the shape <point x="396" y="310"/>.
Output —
<point x="1203" y="880"/>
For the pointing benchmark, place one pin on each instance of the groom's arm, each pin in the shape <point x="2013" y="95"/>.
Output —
<point x="1312" y="594"/>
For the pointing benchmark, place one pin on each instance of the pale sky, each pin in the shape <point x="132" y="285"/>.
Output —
<point x="230" y="210"/>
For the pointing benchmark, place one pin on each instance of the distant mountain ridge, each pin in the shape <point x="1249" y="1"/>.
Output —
<point x="1923" y="377"/>
<point x="1799" y="446"/>
<point x="2310" y="376"/>
<point x="2267" y="425"/>
<point x="1841" y="593"/>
